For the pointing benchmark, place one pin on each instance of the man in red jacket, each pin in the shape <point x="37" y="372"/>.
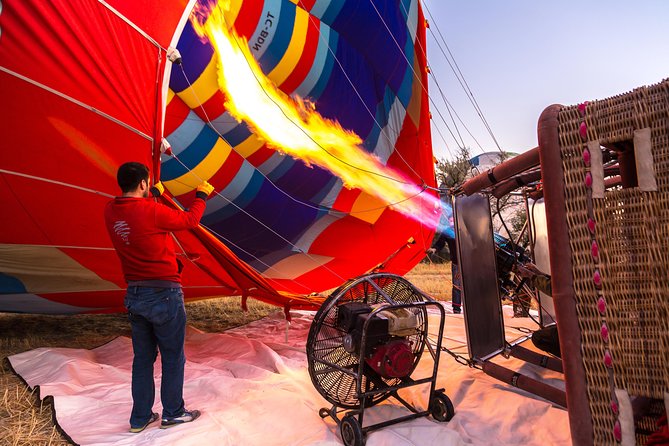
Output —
<point x="140" y="230"/>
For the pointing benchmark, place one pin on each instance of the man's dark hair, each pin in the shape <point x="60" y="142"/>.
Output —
<point x="130" y="174"/>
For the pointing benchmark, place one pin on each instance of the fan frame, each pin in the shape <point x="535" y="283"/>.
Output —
<point x="389" y="290"/>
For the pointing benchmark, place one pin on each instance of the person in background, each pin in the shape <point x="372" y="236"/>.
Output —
<point x="140" y="230"/>
<point x="446" y="235"/>
<point x="456" y="293"/>
<point x="456" y="296"/>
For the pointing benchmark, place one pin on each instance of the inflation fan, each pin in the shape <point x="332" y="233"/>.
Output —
<point x="363" y="347"/>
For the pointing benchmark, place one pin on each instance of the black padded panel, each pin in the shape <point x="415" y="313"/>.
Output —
<point x="480" y="289"/>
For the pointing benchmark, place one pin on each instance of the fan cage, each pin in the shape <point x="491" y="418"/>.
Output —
<point x="327" y="357"/>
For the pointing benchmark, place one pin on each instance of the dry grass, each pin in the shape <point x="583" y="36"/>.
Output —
<point x="25" y="420"/>
<point x="433" y="279"/>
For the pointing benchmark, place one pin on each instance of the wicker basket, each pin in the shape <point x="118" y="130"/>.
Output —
<point x="619" y="253"/>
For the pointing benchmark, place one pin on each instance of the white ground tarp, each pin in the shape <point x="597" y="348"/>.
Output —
<point x="253" y="388"/>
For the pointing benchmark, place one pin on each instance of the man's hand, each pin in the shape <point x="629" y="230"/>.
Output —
<point x="157" y="189"/>
<point x="204" y="190"/>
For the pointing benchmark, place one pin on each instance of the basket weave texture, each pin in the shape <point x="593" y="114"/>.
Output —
<point x="632" y="234"/>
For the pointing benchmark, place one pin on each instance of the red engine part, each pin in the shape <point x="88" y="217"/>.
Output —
<point x="392" y="360"/>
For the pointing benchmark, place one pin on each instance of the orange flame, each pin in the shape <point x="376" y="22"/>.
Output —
<point x="291" y="125"/>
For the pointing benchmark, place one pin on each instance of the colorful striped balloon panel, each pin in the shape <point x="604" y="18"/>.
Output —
<point x="362" y="63"/>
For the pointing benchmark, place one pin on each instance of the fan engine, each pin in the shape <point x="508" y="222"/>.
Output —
<point x="387" y="349"/>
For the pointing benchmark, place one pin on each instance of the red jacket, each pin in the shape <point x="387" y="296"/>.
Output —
<point x="140" y="231"/>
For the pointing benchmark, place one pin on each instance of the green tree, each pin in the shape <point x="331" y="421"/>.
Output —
<point x="451" y="173"/>
<point x="518" y="222"/>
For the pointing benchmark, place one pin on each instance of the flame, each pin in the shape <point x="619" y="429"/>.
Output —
<point x="292" y="125"/>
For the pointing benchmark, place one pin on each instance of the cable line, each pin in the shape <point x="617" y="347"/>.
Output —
<point x="460" y="77"/>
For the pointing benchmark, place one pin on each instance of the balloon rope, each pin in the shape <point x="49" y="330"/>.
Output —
<point x="448" y="105"/>
<point x="298" y="249"/>
<point x="362" y="101"/>
<point x="460" y="77"/>
<point x="345" y="162"/>
<point x="420" y="81"/>
<point x="60" y="183"/>
<point x="296" y="200"/>
<point x="373" y="116"/>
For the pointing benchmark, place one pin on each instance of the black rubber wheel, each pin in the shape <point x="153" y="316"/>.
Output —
<point x="323" y="412"/>
<point x="441" y="407"/>
<point x="351" y="431"/>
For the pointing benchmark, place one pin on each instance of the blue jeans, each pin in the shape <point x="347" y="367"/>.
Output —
<point x="158" y="320"/>
<point x="456" y="297"/>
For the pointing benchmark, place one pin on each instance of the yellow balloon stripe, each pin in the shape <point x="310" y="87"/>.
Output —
<point x="294" y="51"/>
<point x="170" y="96"/>
<point x="249" y="146"/>
<point x="204" y="87"/>
<point x="413" y="109"/>
<point x="232" y="13"/>
<point x="203" y="171"/>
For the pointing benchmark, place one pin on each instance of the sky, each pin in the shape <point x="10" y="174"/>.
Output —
<point x="520" y="56"/>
